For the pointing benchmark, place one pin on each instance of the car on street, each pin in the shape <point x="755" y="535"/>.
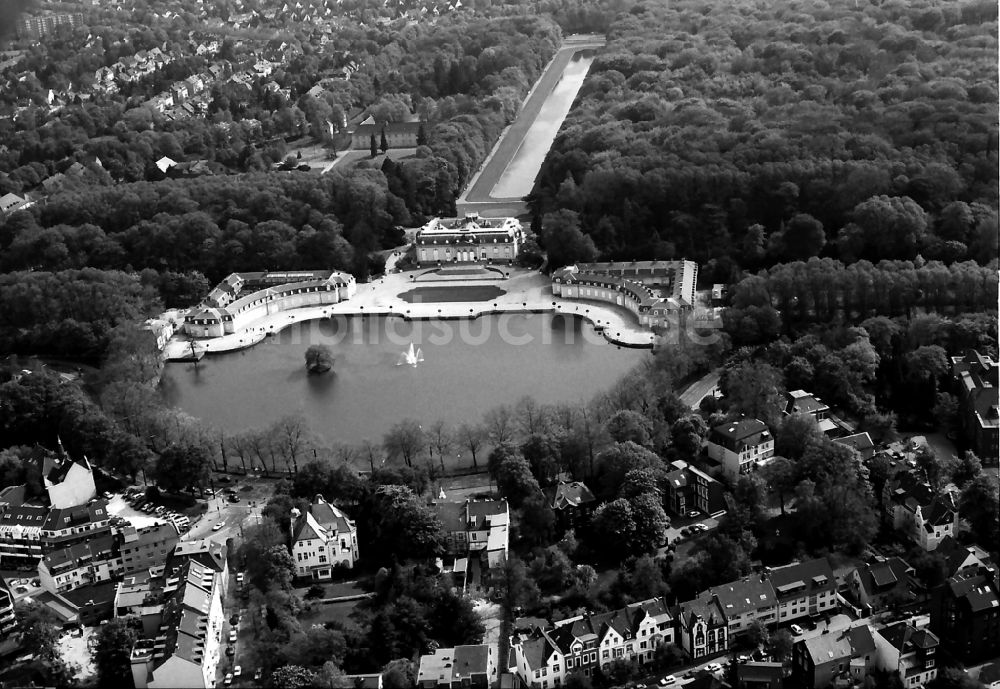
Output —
<point x="232" y="636"/>
<point x="686" y="531"/>
<point x="260" y="673"/>
<point x="693" y="514"/>
<point x="667" y="681"/>
<point x="218" y="526"/>
<point x="229" y="679"/>
<point x="237" y="671"/>
<point x="234" y="498"/>
<point x="698" y="527"/>
<point x="691" y="673"/>
<point x="796" y="629"/>
<point x="107" y="496"/>
<point x="713" y="667"/>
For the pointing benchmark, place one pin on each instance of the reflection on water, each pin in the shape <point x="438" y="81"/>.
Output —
<point x="518" y="178"/>
<point x="469" y="367"/>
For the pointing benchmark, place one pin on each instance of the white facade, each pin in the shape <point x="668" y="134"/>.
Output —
<point x="323" y="538"/>
<point x="469" y="240"/>
<point x="215" y="319"/>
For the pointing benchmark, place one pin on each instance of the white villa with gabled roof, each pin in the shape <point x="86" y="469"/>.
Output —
<point x="322" y="537"/>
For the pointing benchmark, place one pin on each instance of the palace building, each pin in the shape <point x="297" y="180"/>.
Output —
<point x="469" y="240"/>
<point x="243" y="298"/>
<point x="655" y="291"/>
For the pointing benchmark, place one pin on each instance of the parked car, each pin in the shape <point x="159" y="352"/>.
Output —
<point x="699" y="527"/>
<point x="260" y="673"/>
<point x="692" y="514"/>
<point x="218" y="526"/>
<point x="667" y="681"/>
<point x="237" y="671"/>
<point x="232" y="636"/>
<point x="234" y="498"/>
<point x="796" y="629"/>
<point x="713" y="667"/>
<point x="107" y="495"/>
<point x="686" y="531"/>
<point x="229" y="679"/>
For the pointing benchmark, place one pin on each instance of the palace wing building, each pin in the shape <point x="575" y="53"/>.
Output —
<point x="655" y="291"/>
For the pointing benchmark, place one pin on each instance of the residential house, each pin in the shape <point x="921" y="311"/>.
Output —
<point x="802" y="402"/>
<point x="965" y="615"/>
<point x="147" y="546"/>
<point x="860" y="443"/>
<point x="573" y="503"/>
<point x="974" y="377"/>
<point x="960" y="558"/>
<point x="397" y="134"/>
<point x="459" y="667"/>
<point x="12" y="202"/>
<point x="741" y="446"/>
<point x="584" y="643"/>
<point x="923" y="514"/>
<point x="804" y="589"/>
<point x="702" y="627"/>
<point x="187" y="646"/>
<point x="179" y="90"/>
<point x="751" y="599"/>
<point x="95" y="560"/>
<point x="690" y="488"/>
<point x="762" y="675"/>
<point x="845" y="655"/>
<point x="323" y="538"/>
<point x="911" y="652"/>
<point x="881" y="583"/>
<point x="7" y="620"/>
<point x="480" y="531"/>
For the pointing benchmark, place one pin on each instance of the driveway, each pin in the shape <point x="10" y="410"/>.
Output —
<point x="695" y="392"/>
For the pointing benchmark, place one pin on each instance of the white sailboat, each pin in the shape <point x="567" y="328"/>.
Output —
<point x="411" y="357"/>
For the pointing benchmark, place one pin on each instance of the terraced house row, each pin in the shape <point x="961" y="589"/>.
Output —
<point x="543" y="657"/>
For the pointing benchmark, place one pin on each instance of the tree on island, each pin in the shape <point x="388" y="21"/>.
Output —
<point x="319" y="359"/>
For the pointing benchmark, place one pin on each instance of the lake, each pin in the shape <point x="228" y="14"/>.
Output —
<point x="518" y="178"/>
<point x="469" y="367"/>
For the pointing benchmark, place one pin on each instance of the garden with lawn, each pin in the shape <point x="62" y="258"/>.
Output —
<point x="423" y="295"/>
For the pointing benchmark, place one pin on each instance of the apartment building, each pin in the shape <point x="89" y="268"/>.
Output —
<point x="186" y="647"/>
<point x="741" y="446"/>
<point x="965" y="615"/>
<point x="460" y="667"/>
<point x="804" y="589"/>
<point x="147" y="546"/>
<point x="80" y="564"/>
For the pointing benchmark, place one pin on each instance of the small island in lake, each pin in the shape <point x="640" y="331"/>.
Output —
<point x="319" y="359"/>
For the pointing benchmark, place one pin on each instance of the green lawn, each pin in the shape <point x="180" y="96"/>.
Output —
<point x="423" y="295"/>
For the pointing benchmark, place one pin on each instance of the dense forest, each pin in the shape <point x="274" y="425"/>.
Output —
<point x="759" y="133"/>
